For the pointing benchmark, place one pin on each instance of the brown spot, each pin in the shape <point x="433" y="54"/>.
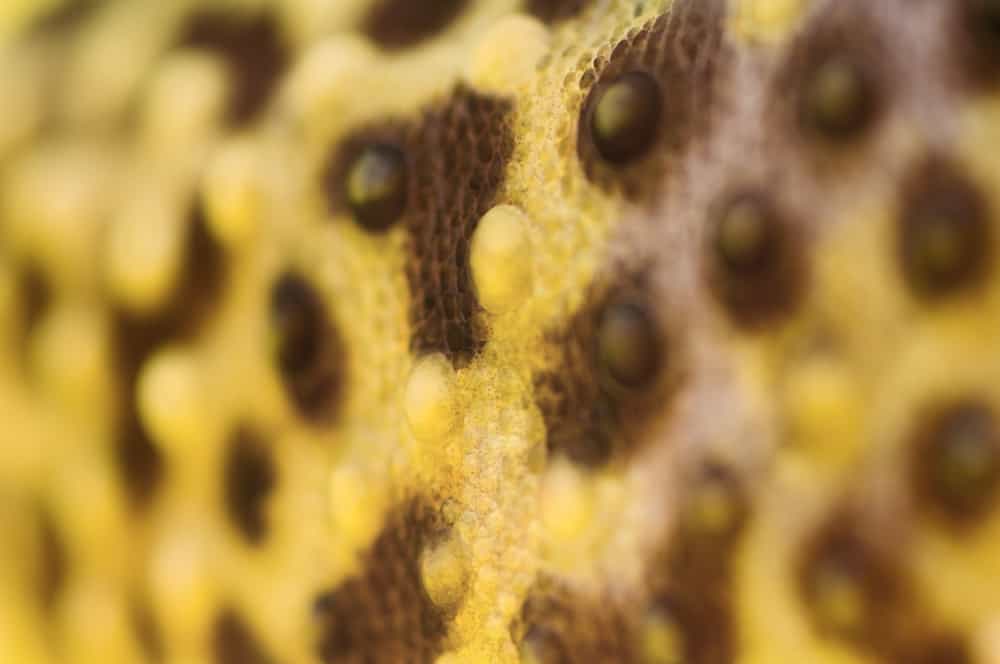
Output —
<point x="854" y="590"/>
<point x="147" y="631"/>
<point x="54" y="565"/>
<point x="691" y="581"/>
<point x="397" y="24"/>
<point x="559" y="626"/>
<point x="678" y="55"/>
<point x="384" y="614"/>
<point x="552" y="11"/>
<point x="64" y="17"/>
<point x="977" y="40"/>
<point x="832" y="86"/>
<point x="614" y="366"/>
<point x="234" y="643"/>
<point x="309" y="350"/>
<point x="368" y="177"/>
<point x="944" y="648"/>
<point x="955" y="462"/>
<point x="944" y="232"/>
<point x="34" y="299"/>
<point x="252" y="47"/>
<point x="756" y="265"/>
<point x="249" y="477"/>
<point x="195" y="297"/>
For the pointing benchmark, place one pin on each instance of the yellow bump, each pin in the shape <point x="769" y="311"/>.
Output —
<point x="181" y="584"/>
<point x="444" y="573"/>
<point x="145" y="252"/>
<point x="232" y="193"/>
<point x="356" y="505"/>
<point x="171" y="399"/>
<point x="987" y="642"/>
<point x="501" y="259"/>
<point x="661" y="639"/>
<point x="713" y="509"/>
<point x="71" y="356"/>
<point x="322" y="82"/>
<point x="496" y="67"/>
<point x="839" y="600"/>
<point x="824" y="409"/>
<point x="766" y="20"/>
<point x="95" y="625"/>
<point x="95" y="534"/>
<point x="429" y="399"/>
<point x="186" y="101"/>
<point x="567" y="503"/>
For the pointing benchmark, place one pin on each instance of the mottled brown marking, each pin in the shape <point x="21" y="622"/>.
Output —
<point x="683" y="51"/>
<point x="590" y="416"/>
<point x="234" y="643"/>
<point x="560" y="626"/>
<point x="202" y="283"/>
<point x="384" y="614"/>
<point x="310" y="353"/>
<point x="253" y="48"/>
<point x="249" y="477"/>
<point x="955" y="461"/>
<point x="398" y="24"/>
<point x="939" y="199"/>
<point x="766" y="284"/>
<point x="553" y="11"/>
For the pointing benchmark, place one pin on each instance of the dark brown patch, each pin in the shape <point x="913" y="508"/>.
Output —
<point x="249" y="477"/>
<point x="147" y="631"/>
<point x="842" y="34"/>
<point x="955" y="461"/>
<point x="34" y="299"/>
<point x="691" y="582"/>
<point x="203" y="280"/>
<point x="310" y="353"/>
<point x="682" y="51"/>
<point x="589" y="415"/>
<point x="234" y="643"/>
<point x="385" y="614"/>
<point x="765" y="280"/>
<point x="976" y="40"/>
<point x="397" y="24"/>
<point x="944" y="231"/>
<point x="456" y="156"/>
<point x="54" y="564"/>
<point x="64" y="17"/>
<point x="252" y="47"/>
<point x="552" y="11"/>
<point x="559" y="626"/>
<point x="889" y="621"/>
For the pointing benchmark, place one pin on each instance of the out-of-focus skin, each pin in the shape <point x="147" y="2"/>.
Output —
<point x="461" y="331"/>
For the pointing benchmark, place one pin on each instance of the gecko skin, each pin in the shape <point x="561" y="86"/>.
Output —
<point x="498" y="331"/>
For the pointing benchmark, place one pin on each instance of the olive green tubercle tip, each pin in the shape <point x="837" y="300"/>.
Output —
<point x="968" y="457"/>
<point x="742" y="235"/>
<point x="626" y="117"/>
<point x="939" y="249"/>
<point x="836" y="98"/>
<point x="839" y="599"/>
<point x="376" y="187"/>
<point x="628" y="344"/>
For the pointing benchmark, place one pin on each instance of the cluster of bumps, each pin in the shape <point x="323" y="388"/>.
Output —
<point x="542" y="331"/>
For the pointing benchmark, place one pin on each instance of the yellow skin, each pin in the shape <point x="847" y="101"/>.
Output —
<point x="100" y="212"/>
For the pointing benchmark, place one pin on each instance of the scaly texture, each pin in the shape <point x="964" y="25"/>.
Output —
<point x="542" y="331"/>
